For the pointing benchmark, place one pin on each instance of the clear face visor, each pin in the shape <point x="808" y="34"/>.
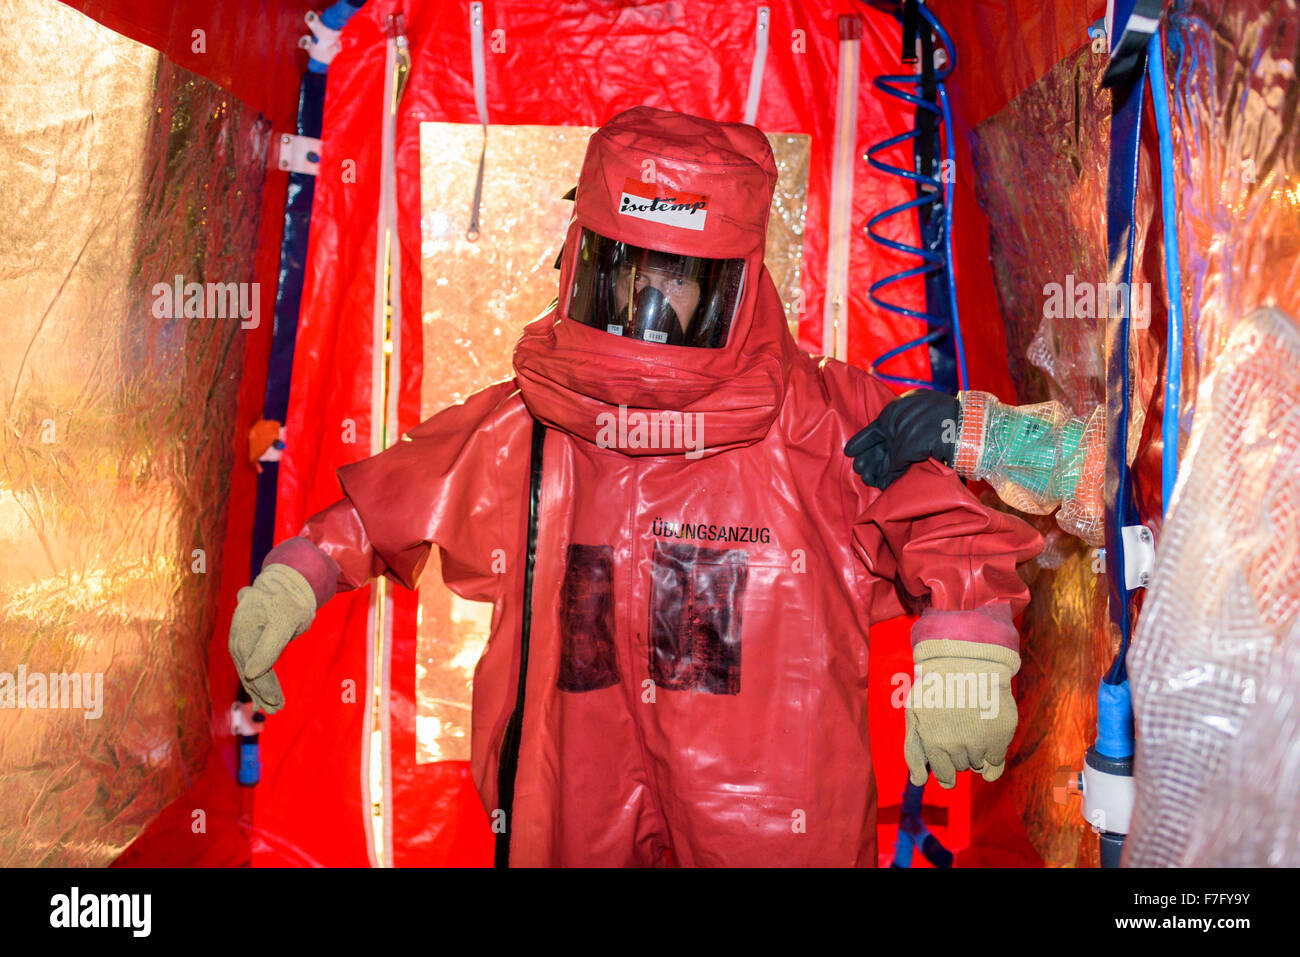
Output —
<point x="655" y="296"/>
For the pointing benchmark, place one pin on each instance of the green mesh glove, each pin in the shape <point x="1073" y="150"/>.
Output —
<point x="275" y="609"/>
<point x="960" y="712"/>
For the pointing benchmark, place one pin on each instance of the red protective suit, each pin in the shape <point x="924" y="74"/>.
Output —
<point x="697" y="677"/>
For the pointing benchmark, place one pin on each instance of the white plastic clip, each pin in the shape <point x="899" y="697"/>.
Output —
<point x="323" y="45"/>
<point x="1139" y="555"/>
<point x="241" y="719"/>
<point x="299" y="154"/>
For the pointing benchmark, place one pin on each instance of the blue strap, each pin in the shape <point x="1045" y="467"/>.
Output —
<point x="903" y="849"/>
<point x="288" y="301"/>
<point x="1121" y="190"/>
<point x="1115" y="721"/>
<point x="913" y="835"/>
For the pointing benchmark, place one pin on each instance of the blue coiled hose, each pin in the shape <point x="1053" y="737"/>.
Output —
<point x="895" y="85"/>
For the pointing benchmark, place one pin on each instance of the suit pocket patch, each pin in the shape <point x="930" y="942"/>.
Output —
<point x="587" y="659"/>
<point x="695" y="610"/>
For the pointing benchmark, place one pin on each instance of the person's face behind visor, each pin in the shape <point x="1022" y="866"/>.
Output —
<point x="678" y="293"/>
<point x="654" y="296"/>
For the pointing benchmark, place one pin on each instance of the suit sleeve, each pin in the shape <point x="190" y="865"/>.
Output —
<point x="446" y="483"/>
<point x="942" y="546"/>
<point x="946" y="551"/>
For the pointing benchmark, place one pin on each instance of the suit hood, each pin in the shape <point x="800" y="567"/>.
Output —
<point x="680" y="184"/>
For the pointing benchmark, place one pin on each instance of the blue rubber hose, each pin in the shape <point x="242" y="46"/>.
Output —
<point x="1173" y="273"/>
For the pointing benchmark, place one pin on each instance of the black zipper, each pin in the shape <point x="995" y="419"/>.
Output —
<point x="508" y="765"/>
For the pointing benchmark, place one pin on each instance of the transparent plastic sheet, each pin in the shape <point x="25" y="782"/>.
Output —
<point x="1038" y="458"/>
<point x="1214" y="766"/>
<point x="1237" y="147"/>
<point x="1251" y="820"/>
<point x="125" y="171"/>
<point x="479" y="294"/>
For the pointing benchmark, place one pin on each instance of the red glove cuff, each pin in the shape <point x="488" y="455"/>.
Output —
<point x="300" y="554"/>
<point x="990" y="625"/>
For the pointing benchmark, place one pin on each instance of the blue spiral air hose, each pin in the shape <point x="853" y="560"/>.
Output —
<point x="941" y="318"/>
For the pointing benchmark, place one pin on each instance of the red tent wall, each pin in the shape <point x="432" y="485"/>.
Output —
<point x="246" y="46"/>
<point x="547" y="73"/>
<point x="565" y="64"/>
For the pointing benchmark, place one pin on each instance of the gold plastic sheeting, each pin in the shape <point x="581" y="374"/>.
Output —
<point x="784" y="252"/>
<point x="478" y="295"/>
<point x="1065" y="646"/>
<point x="121" y="172"/>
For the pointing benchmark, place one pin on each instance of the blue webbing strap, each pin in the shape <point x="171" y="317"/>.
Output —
<point x="1121" y="189"/>
<point x="288" y="299"/>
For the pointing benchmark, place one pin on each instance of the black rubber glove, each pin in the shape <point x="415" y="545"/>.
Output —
<point x="918" y="425"/>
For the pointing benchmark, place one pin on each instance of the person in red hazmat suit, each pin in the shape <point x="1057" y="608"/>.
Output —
<point x="682" y="561"/>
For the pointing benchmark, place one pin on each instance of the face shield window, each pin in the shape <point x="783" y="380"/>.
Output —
<point x="655" y="296"/>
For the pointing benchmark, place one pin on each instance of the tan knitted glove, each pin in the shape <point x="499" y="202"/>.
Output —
<point x="960" y="712"/>
<point x="278" y="607"/>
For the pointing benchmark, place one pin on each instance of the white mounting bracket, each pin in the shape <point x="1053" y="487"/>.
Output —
<point x="299" y="154"/>
<point x="1139" y="555"/>
<point x="323" y="44"/>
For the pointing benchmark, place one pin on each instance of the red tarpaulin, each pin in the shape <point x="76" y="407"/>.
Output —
<point x="563" y="64"/>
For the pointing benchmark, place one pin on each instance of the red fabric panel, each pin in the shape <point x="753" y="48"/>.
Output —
<point x="999" y="838"/>
<point x="314" y="747"/>
<point x="983" y="331"/>
<point x="249" y="47"/>
<point x="523" y="87"/>
<point x="607" y="75"/>
<point x="1004" y="46"/>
